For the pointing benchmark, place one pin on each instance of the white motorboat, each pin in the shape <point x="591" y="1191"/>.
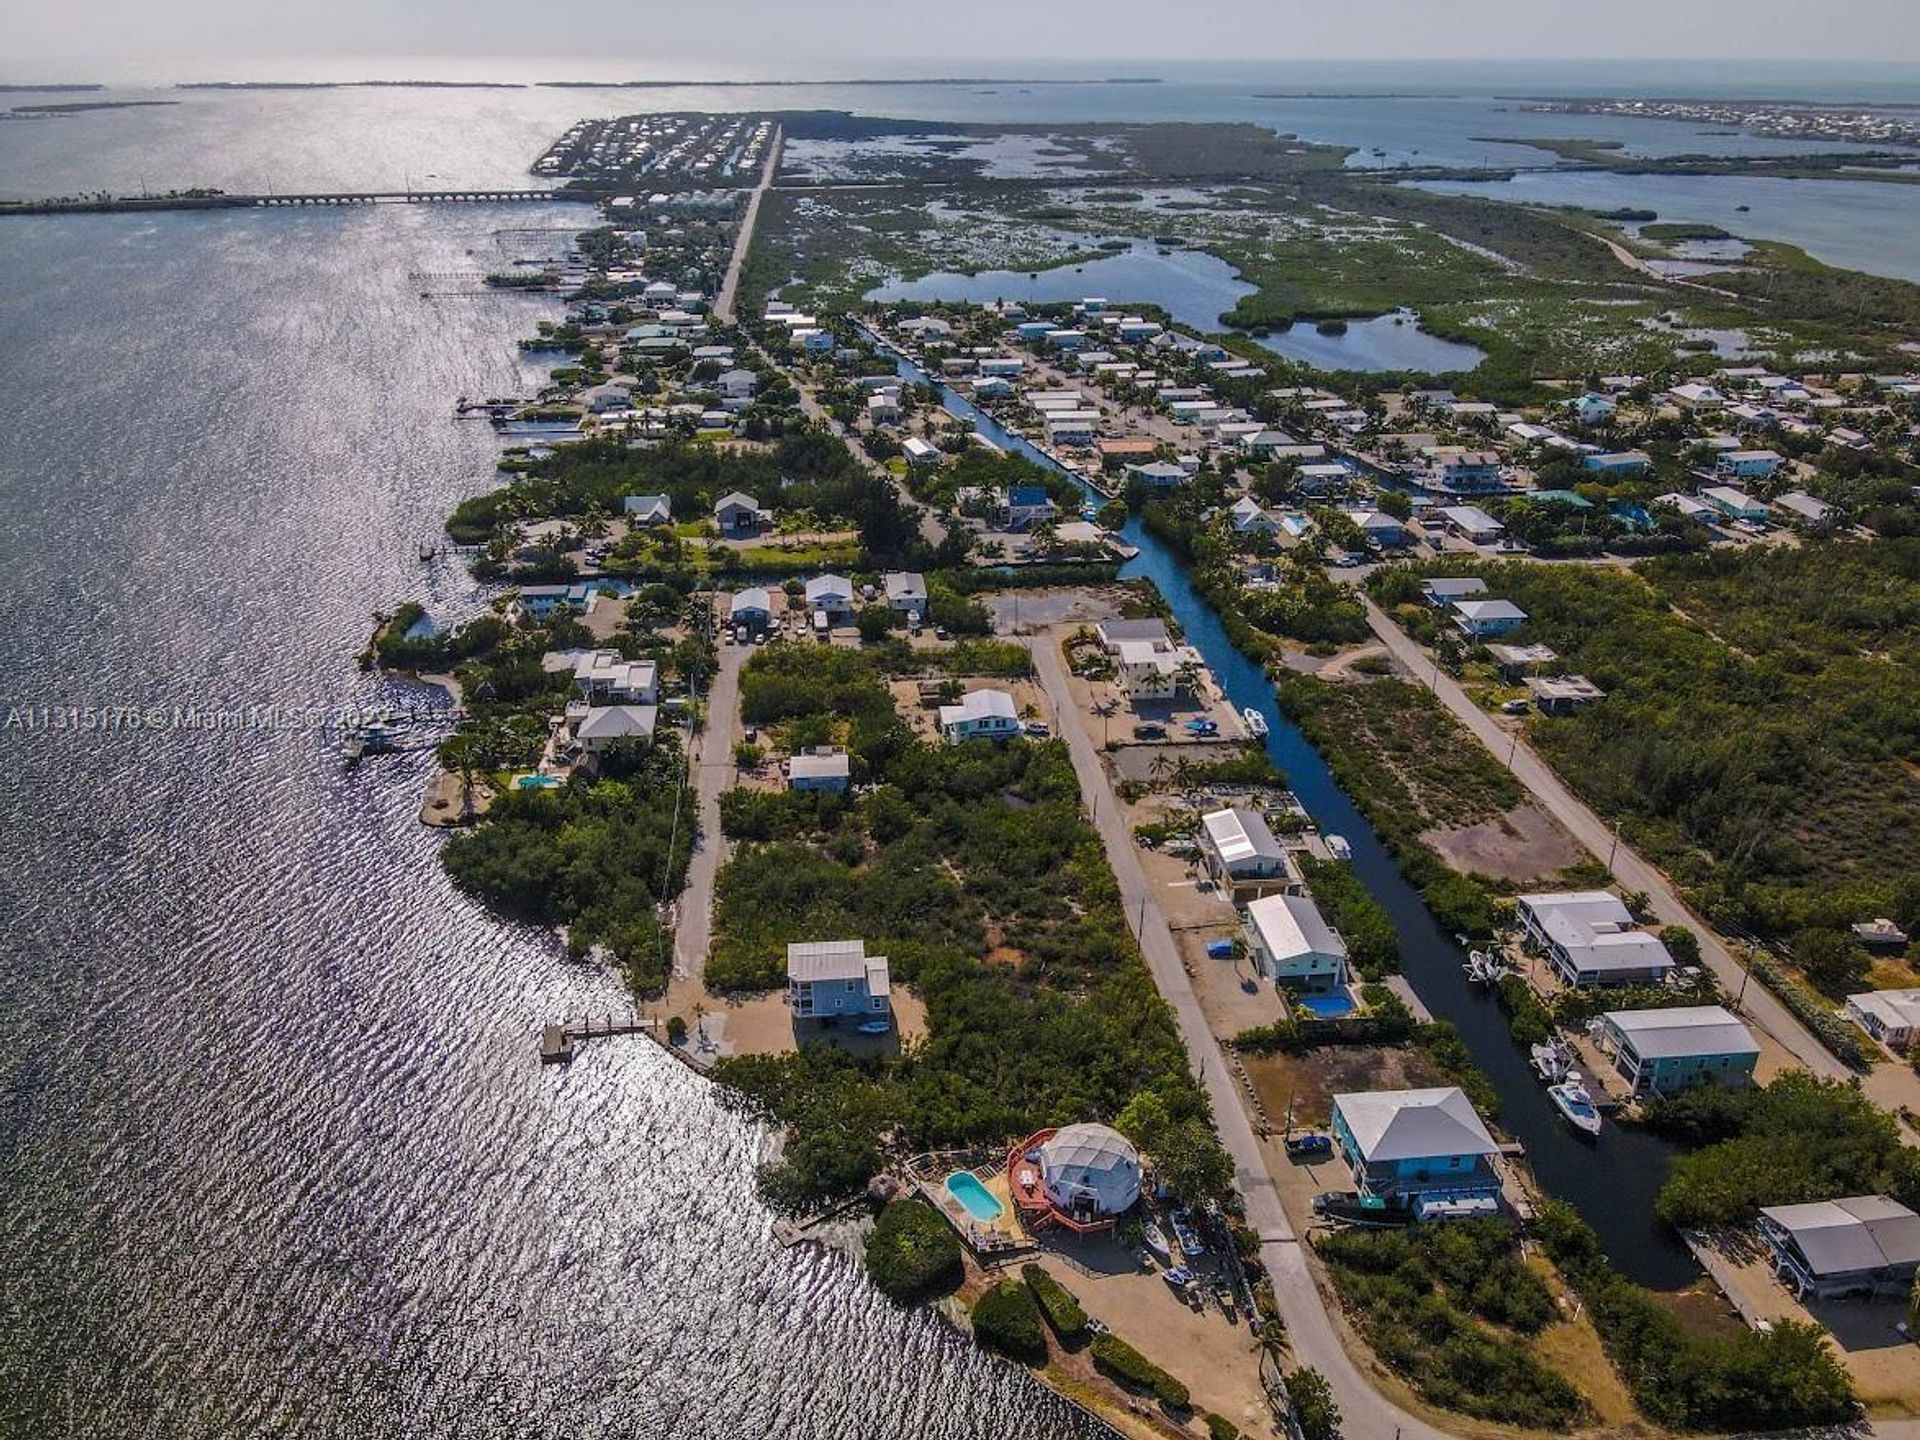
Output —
<point x="1338" y="847"/>
<point x="1553" y="1060"/>
<point x="1256" y="722"/>
<point x="1572" y="1100"/>
<point x="1156" y="1239"/>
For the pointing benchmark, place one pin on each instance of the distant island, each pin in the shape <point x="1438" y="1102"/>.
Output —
<point x="75" y="107"/>
<point x="45" y="89"/>
<point x="796" y="84"/>
<point x="350" y="85"/>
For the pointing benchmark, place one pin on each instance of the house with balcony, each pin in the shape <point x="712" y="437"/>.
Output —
<point x="1293" y="945"/>
<point x="1662" y="1052"/>
<point x="1423" y="1148"/>
<point x="833" y="979"/>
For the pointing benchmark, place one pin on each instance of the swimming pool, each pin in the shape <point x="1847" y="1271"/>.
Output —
<point x="977" y="1200"/>
<point x="538" y="782"/>
<point x="1330" y="1006"/>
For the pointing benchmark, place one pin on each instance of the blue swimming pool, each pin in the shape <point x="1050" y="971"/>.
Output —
<point x="1330" y="1006"/>
<point x="978" y="1201"/>
<point x="538" y="782"/>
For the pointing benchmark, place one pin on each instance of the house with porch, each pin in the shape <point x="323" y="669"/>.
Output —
<point x="830" y="979"/>
<point x="980" y="715"/>
<point x="1423" y="1148"/>
<point x="1862" y="1245"/>
<point x="1241" y="854"/>
<point x="1589" y="938"/>
<point x="1662" y="1052"/>
<point x="1293" y="945"/>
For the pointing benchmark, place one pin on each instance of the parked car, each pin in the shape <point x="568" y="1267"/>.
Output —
<point x="1038" y="727"/>
<point x="1310" y="1146"/>
<point x="1513" y="707"/>
<point x="1151" y="730"/>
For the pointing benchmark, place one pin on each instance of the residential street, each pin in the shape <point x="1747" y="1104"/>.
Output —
<point x="1759" y="1004"/>
<point x="711" y="759"/>
<point x="1368" y="1415"/>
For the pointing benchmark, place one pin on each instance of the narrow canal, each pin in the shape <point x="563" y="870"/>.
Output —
<point x="1611" y="1181"/>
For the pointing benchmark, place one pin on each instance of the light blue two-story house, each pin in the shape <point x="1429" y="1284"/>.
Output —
<point x="1425" y="1148"/>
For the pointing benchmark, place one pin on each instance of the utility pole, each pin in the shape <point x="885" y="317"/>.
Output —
<point x="1614" y="849"/>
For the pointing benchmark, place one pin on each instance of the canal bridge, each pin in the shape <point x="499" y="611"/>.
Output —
<point x="115" y="204"/>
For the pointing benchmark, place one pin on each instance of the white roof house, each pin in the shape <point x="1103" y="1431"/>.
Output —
<point x="1833" y="1247"/>
<point x="1661" y="1052"/>
<point x="819" y="772"/>
<point x="1443" y="591"/>
<point x="837" y="977"/>
<point x="1238" y="845"/>
<point x="604" y="724"/>
<point x="906" y="590"/>
<point x="737" y="511"/>
<point x="1291" y="941"/>
<point x="1589" y="937"/>
<point x="920" y="452"/>
<point x="1471" y="522"/>
<point x="1488" y="617"/>
<point x="829" y="592"/>
<point x="609" y="675"/>
<point x="981" y="713"/>
<point x="1396" y="1126"/>
<point x="1423" y="1148"/>
<point x="1890" y="1016"/>
<point x="752" y="603"/>
<point x="1090" y="1167"/>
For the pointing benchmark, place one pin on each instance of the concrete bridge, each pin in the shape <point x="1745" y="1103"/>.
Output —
<point x="125" y="203"/>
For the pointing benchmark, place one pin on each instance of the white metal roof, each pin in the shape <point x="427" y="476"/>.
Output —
<point x="1682" y="1031"/>
<point x="1489" y="610"/>
<point x="829" y="586"/>
<point x="810" y="960"/>
<point x="1239" y="834"/>
<point x="979" y="705"/>
<point x="818" y="767"/>
<point x="1292" y="925"/>
<point x="1392" y="1125"/>
<point x="1837" y="1237"/>
<point x="617" y="722"/>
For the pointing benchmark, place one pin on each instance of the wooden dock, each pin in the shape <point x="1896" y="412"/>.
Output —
<point x="558" y="1038"/>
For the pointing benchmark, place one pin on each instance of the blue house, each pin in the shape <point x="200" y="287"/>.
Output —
<point x="1425" y="1148"/>
<point x="1661" y="1052"/>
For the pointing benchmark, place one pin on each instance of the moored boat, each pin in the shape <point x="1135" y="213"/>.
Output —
<point x="1552" y="1060"/>
<point x="1256" y="722"/>
<point x="1575" y="1104"/>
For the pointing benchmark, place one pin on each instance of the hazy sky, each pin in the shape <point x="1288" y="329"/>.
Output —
<point x="636" y="38"/>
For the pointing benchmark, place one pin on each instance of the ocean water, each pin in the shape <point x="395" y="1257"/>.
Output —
<point x="387" y="138"/>
<point x="1854" y="224"/>
<point x="276" y="1154"/>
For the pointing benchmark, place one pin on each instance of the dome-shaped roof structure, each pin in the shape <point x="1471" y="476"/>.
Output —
<point x="1090" y="1168"/>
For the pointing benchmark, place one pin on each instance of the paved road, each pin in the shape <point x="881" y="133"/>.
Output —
<point x="1634" y="873"/>
<point x="1367" y="1414"/>
<point x="743" y="242"/>
<point x="711" y="759"/>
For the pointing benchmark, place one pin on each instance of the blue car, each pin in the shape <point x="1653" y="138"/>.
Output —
<point x="1311" y="1146"/>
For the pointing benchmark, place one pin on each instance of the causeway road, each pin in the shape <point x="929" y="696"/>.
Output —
<point x="743" y="242"/>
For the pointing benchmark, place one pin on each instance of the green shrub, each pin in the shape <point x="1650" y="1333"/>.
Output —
<point x="1313" y="1405"/>
<point x="1221" y="1428"/>
<point x="1007" y="1319"/>
<point x="1113" y="1356"/>
<point x="1063" y="1312"/>
<point x="1783" y="1379"/>
<point x="913" y="1252"/>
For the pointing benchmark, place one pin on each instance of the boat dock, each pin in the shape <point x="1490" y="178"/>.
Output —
<point x="558" y="1038"/>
